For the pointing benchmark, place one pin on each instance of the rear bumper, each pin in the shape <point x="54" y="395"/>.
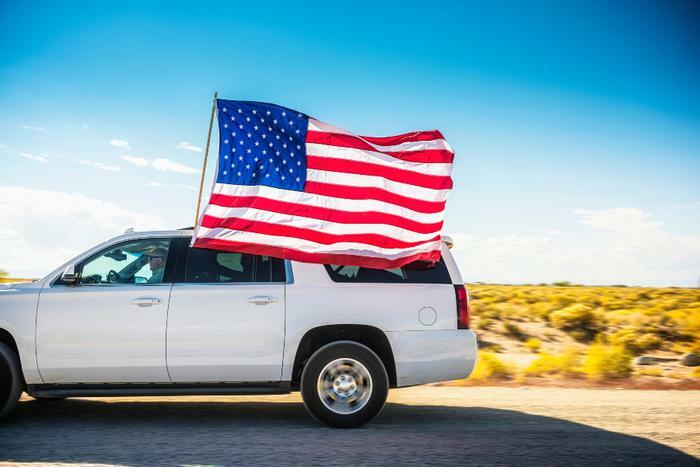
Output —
<point x="431" y="356"/>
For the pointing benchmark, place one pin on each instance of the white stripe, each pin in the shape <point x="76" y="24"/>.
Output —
<point x="315" y="125"/>
<point x="378" y="158"/>
<point x="373" y="181"/>
<point x="342" y="204"/>
<point x="307" y="246"/>
<point x="335" y="228"/>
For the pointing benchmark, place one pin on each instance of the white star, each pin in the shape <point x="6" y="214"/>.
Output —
<point x="284" y="161"/>
<point x="233" y="119"/>
<point x="264" y="136"/>
<point x="233" y="166"/>
<point x="277" y="136"/>
<point x="262" y="167"/>
<point x="247" y="166"/>
<point x="239" y="111"/>
<point x="298" y="131"/>
<point x="299" y="115"/>
<point x="298" y="162"/>
<point x="270" y="160"/>
<point x="291" y="171"/>
<point x="268" y="112"/>
<point x="240" y="158"/>
<point x="226" y="156"/>
<point x="262" y="120"/>
<point x="248" y="150"/>
<point x="254" y="111"/>
<point x="225" y="172"/>
<point x="277" y="169"/>
<point x="282" y="177"/>
<point x="225" y="141"/>
<point x="290" y="138"/>
<point x="225" y="125"/>
<point x="282" y="130"/>
<point x="224" y="109"/>
<point x="253" y="174"/>
<point x="277" y="153"/>
<point x="247" y="119"/>
<point x="291" y="154"/>
<point x="275" y="122"/>
<point x="264" y="151"/>
<point x="291" y="122"/>
<point x="239" y="174"/>
<point x="233" y="133"/>
<point x="284" y="145"/>
<point x="298" y="179"/>
<point x="284" y="114"/>
<point x="249" y="135"/>
<point x="270" y="144"/>
<point x="267" y="175"/>
<point x="269" y="128"/>
<point x="240" y="126"/>
<point x="298" y="147"/>
<point x="255" y="128"/>
<point x="241" y="142"/>
<point x="257" y="143"/>
<point x="256" y="159"/>
<point x="233" y="149"/>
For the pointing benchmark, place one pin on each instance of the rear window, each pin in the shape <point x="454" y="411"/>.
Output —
<point x="414" y="273"/>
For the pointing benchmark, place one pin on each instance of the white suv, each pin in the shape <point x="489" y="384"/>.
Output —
<point x="145" y="314"/>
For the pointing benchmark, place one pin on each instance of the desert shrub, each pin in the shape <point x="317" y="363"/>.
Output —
<point x="532" y="344"/>
<point x="513" y="330"/>
<point x="650" y="372"/>
<point x="564" y="364"/>
<point x="603" y="362"/>
<point x="578" y="320"/>
<point x="489" y="366"/>
<point x="484" y="323"/>
<point x="696" y="372"/>
<point x="634" y="342"/>
<point x="561" y="284"/>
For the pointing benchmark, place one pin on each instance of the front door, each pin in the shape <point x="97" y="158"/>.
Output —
<point x="226" y="319"/>
<point x="108" y="327"/>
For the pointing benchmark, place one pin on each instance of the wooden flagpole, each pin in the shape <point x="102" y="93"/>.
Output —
<point x="206" y="156"/>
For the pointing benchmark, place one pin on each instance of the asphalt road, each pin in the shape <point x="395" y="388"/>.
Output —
<point x="424" y="425"/>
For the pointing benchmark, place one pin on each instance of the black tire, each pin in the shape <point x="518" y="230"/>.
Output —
<point x="11" y="381"/>
<point x="345" y="356"/>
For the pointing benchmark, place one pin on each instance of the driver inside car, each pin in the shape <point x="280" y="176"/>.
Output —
<point x="156" y="261"/>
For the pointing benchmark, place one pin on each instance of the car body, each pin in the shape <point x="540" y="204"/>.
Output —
<point x="230" y="323"/>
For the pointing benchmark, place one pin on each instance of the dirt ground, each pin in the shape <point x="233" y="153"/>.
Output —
<point x="423" y="425"/>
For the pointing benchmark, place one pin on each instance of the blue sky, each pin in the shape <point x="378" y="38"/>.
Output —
<point x="576" y="124"/>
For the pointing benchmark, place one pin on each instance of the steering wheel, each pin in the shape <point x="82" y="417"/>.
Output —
<point x="113" y="276"/>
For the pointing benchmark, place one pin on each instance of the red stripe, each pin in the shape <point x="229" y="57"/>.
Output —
<point x="355" y="192"/>
<point x="325" y="214"/>
<point x="331" y="164"/>
<point x="322" y="258"/>
<point x="429" y="135"/>
<point x="280" y="230"/>
<point x="356" y="142"/>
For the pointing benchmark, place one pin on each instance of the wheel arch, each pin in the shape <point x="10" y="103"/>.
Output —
<point x="370" y="336"/>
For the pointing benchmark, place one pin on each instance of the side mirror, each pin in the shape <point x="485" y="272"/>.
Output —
<point x="69" y="274"/>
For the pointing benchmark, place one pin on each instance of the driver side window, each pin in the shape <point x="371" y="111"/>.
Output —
<point x="134" y="262"/>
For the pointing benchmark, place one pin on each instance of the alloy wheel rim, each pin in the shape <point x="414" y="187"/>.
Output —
<point x="344" y="386"/>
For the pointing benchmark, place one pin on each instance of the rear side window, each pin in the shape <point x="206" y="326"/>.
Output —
<point x="204" y="266"/>
<point x="410" y="274"/>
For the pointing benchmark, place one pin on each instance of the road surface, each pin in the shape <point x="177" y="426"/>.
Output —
<point x="423" y="425"/>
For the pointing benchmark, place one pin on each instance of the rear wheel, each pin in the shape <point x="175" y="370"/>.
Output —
<point x="10" y="380"/>
<point x="344" y="384"/>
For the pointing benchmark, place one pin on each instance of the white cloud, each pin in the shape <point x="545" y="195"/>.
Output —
<point x="623" y="246"/>
<point x="166" y="165"/>
<point x="120" y="143"/>
<point x="101" y="166"/>
<point x="154" y="184"/>
<point x="187" y="187"/>
<point x="694" y="205"/>
<point x="188" y="147"/>
<point x="42" y="229"/>
<point x="33" y="157"/>
<point x="32" y="127"/>
<point x="179" y="186"/>
<point x="162" y="164"/>
<point x="140" y="161"/>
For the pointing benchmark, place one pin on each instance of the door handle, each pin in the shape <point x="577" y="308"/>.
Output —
<point x="262" y="300"/>
<point x="146" y="301"/>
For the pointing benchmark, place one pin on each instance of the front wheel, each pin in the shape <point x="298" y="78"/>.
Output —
<point x="344" y="384"/>
<point x="10" y="380"/>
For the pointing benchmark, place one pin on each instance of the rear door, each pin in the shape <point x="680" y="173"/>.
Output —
<point x="226" y="317"/>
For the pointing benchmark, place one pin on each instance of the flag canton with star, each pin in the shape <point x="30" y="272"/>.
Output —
<point x="261" y="144"/>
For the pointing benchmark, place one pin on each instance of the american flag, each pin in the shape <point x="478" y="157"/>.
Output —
<point x="290" y="186"/>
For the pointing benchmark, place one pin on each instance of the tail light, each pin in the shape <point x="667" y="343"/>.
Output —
<point x="462" y="296"/>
